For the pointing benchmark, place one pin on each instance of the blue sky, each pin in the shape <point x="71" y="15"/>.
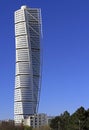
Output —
<point x="65" y="76"/>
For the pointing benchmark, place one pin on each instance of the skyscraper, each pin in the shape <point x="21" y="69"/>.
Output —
<point x="28" y="62"/>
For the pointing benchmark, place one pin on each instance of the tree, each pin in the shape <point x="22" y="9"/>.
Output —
<point x="54" y="123"/>
<point x="61" y="122"/>
<point x="27" y="128"/>
<point x="42" y="128"/>
<point x="79" y="120"/>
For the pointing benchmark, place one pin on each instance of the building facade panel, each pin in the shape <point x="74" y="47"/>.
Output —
<point x="22" y="55"/>
<point x="19" y="16"/>
<point x="21" y="42"/>
<point x="20" y="29"/>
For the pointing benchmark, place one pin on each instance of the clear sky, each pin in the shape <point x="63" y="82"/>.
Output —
<point x="65" y="76"/>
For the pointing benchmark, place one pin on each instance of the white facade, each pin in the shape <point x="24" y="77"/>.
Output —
<point x="28" y="62"/>
<point x="37" y="120"/>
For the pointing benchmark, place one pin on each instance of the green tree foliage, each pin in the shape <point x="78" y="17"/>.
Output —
<point x="27" y="128"/>
<point x="42" y="128"/>
<point x="61" y="122"/>
<point x="54" y="123"/>
<point x="79" y="120"/>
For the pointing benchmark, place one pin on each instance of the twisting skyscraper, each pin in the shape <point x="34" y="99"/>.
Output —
<point x="28" y="62"/>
